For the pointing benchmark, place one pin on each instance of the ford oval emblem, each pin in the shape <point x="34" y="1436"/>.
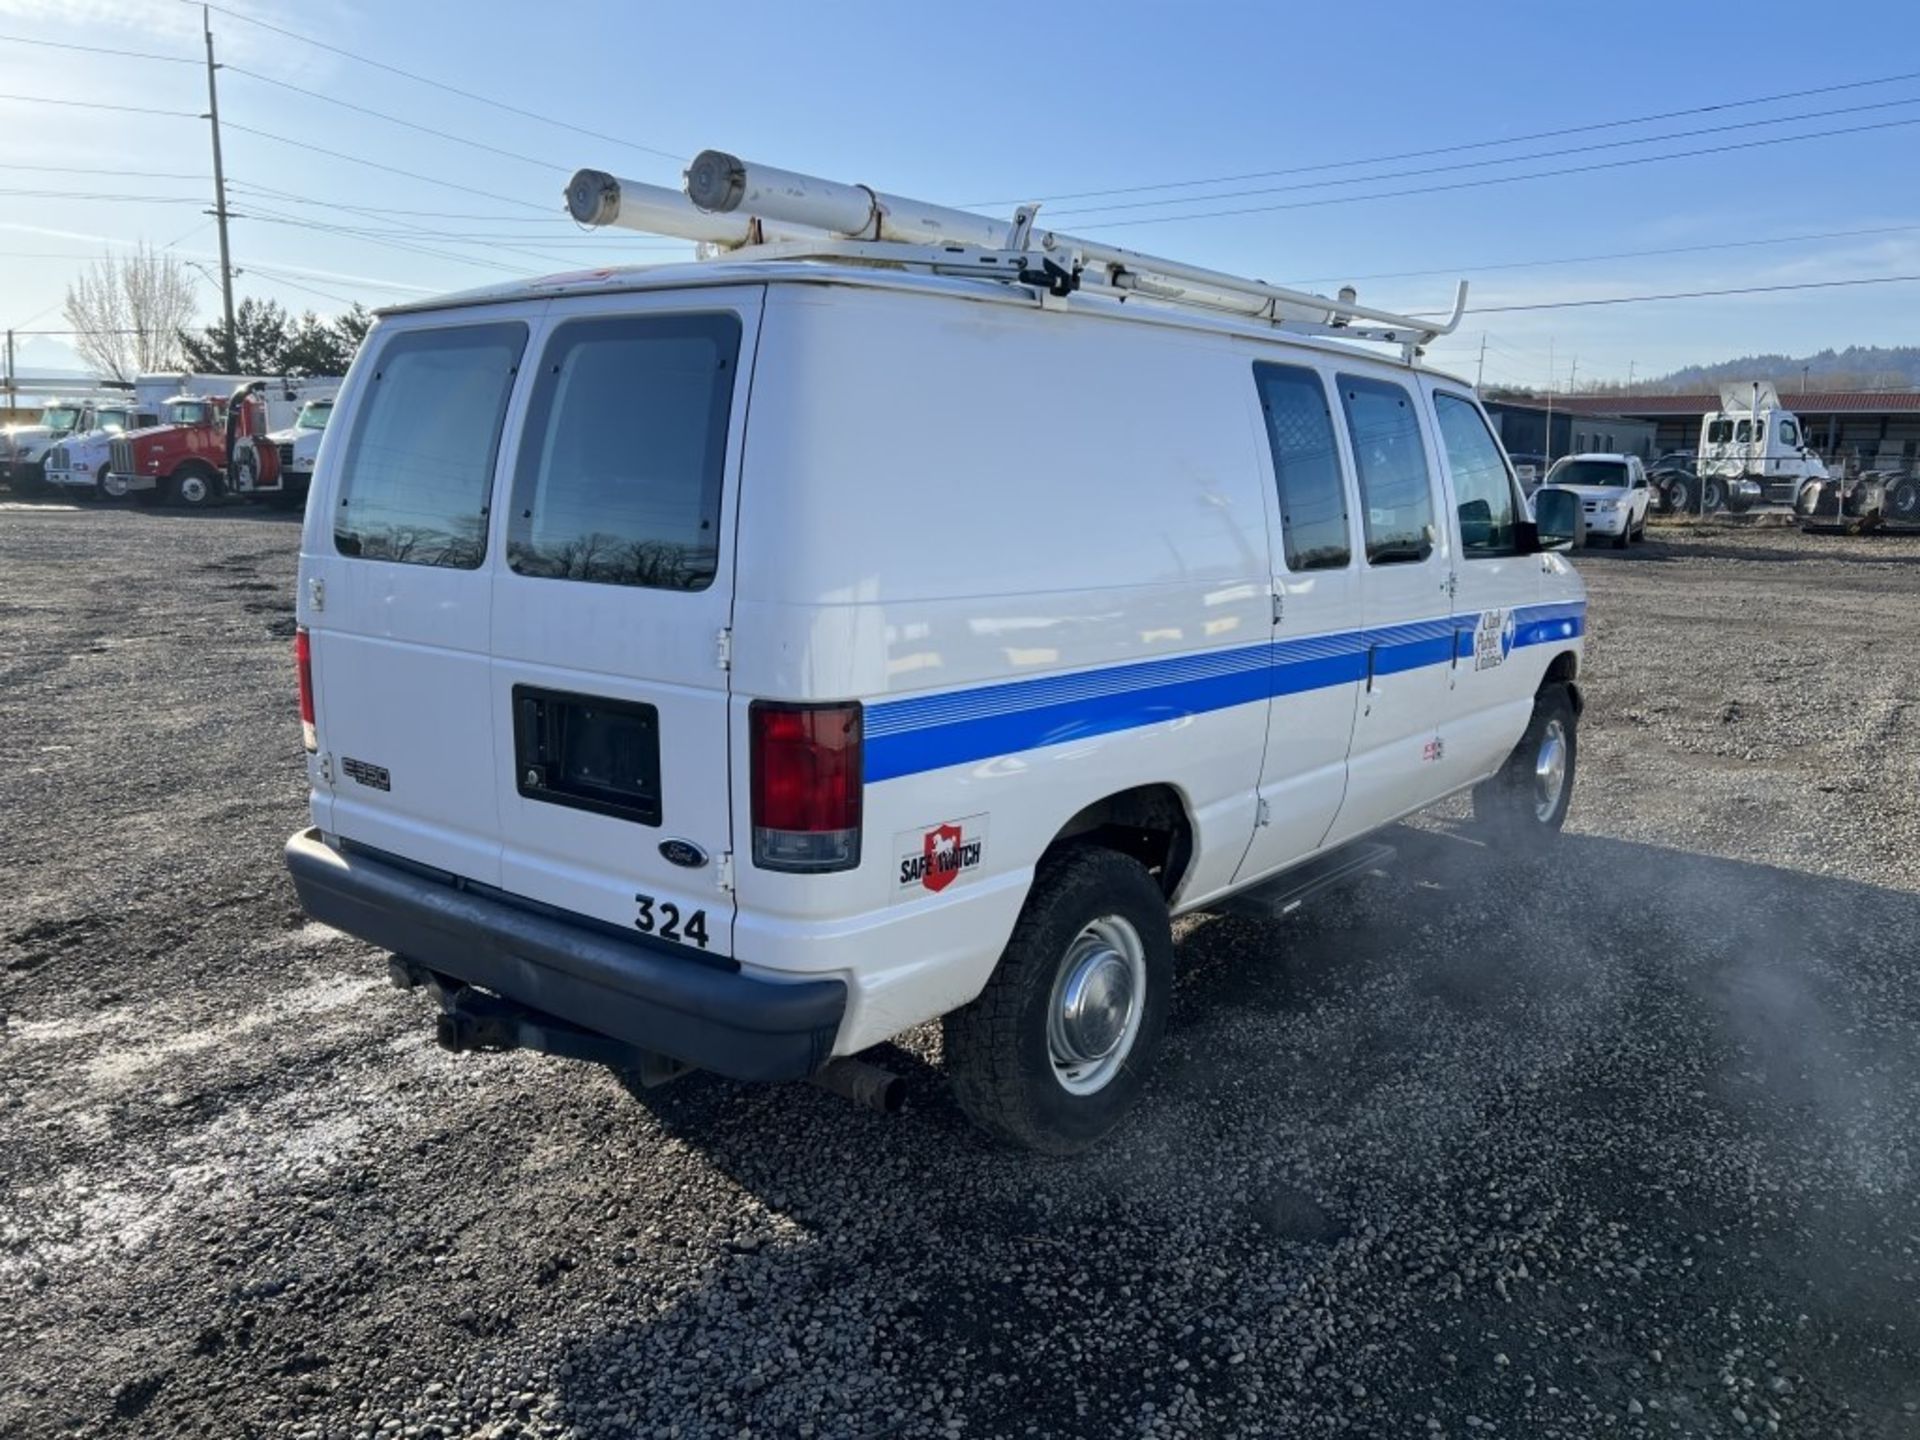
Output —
<point x="683" y="853"/>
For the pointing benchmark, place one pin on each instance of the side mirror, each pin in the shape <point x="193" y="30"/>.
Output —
<point x="1559" y="522"/>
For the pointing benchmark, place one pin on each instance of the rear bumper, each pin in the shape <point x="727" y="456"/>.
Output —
<point x="649" y="996"/>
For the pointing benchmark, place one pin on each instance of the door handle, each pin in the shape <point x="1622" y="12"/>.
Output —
<point x="1372" y="650"/>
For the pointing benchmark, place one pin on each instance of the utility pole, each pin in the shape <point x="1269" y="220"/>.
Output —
<point x="220" y="199"/>
<point x="1480" y="370"/>
<point x="1630" y="365"/>
<point x="1548" y="447"/>
<point x="10" y="386"/>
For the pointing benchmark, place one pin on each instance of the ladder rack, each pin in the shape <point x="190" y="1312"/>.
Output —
<point x="758" y="212"/>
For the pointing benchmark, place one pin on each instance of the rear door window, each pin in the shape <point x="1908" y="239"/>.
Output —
<point x="1306" y="467"/>
<point x="418" y="472"/>
<point x="1396" y="494"/>
<point x="619" y="473"/>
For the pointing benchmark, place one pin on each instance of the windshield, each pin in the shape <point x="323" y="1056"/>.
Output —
<point x="313" y="415"/>
<point x="110" y="419"/>
<point x="60" y="417"/>
<point x="188" y="412"/>
<point x="1588" y="472"/>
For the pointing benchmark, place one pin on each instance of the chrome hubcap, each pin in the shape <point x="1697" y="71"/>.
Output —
<point x="1550" y="770"/>
<point x="193" y="489"/>
<point x="1098" y="998"/>
<point x="114" y="486"/>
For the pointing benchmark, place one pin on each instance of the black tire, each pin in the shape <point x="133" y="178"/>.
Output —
<point x="1903" y="501"/>
<point x="1683" y="495"/>
<point x="999" y="1056"/>
<point x="293" y="495"/>
<point x="1510" y="804"/>
<point x="1713" y="494"/>
<point x="1625" y="537"/>
<point x="192" y="487"/>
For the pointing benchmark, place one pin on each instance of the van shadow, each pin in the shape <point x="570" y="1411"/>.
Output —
<point x="1702" y="1054"/>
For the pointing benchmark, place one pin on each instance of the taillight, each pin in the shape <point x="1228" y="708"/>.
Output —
<point x="303" y="662"/>
<point x="806" y="786"/>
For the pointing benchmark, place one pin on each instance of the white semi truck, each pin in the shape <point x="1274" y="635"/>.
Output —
<point x="1753" y="451"/>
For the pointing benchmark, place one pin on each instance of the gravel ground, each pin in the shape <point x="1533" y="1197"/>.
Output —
<point x="1617" y="1141"/>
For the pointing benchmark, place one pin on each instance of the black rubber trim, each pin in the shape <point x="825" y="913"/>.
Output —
<point x="647" y="996"/>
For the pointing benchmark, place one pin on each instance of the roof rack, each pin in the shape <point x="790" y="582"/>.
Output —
<point x="757" y="212"/>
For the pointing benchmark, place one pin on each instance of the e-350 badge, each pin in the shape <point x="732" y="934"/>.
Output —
<point x="932" y="858"/>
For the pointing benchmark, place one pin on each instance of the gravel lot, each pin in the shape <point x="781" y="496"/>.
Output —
<point x="1620" y="1141"/>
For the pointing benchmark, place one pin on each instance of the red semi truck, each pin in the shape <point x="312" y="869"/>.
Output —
<point x="206" y="448"/>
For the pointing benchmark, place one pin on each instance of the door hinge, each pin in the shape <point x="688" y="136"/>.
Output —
<point x="1262" y="814"/>
<point x="723" y="649"/>
<point x="317" y="593"/>
<point x="723" y="871"/>
<point x="1453" y="583"/>
<point x="326" y="767"/>
<point x="1279" y="606"/>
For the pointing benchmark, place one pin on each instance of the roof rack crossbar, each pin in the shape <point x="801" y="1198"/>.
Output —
<point x="730" y="205"/>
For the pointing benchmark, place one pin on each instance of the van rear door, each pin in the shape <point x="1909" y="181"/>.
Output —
<point x="398" y="590"/>
<point x="608" y="685"/>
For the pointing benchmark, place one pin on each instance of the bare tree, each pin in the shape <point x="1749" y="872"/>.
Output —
<point x="127" y="312"/>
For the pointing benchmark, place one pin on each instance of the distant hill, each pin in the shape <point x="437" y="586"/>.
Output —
<point x="1858" y="367"/>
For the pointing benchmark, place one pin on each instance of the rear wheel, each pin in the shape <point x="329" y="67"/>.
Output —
<point x="1528" y="799"/>
<point x="1683" y="495"/>
<point x="1057" y="1047"/>
<point x="1903" y="501"/>
<point x="1713" y="494"/>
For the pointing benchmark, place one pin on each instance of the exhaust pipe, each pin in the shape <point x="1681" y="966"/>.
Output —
<point x="865" y="1085"/>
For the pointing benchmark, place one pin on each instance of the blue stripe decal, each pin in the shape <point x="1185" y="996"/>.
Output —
<point x="926" y="732"/>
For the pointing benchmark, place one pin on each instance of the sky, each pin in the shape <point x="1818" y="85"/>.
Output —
<point x="1332" y="110"/>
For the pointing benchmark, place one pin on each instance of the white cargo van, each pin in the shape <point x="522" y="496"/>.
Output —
<point x="738" y="663"/>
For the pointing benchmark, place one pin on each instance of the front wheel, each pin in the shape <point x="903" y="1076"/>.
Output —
<point x="192" y="489"/>
<point x="1528" y="799"/>
<point x="1056" y="1049"/>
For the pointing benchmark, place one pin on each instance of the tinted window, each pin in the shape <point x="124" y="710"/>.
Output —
<point x="1481" y="487"/>
<point x="619" y="474"/>
<point x="1588" y="472"/>
<point x="1395" y="497"/>
<point x="1719" y="432"/>
<point x="419" y="463"/>
<point x="1306" y="467"/>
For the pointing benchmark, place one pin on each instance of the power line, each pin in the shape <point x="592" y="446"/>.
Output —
<point x="1692" y="294"/>
<point x="99" y="50"/>
<point x="390" y="169"/>
<point x="99" y="105"/>
<point x="1467" y="145"/>
<point x="97" y="195"/>
<point x="396" y="120"/>
<point x="1504" y="179"/>
<point x="1613" y="255"/>
<point x="439" y="85"/>
<point x="1497" y="160"/>
<point x="122" y="174"/>
<point x="441" y="236"/>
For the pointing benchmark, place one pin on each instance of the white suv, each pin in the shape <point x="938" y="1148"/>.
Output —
<point x="1613" y="492"/>
<point x="739" y="663"/>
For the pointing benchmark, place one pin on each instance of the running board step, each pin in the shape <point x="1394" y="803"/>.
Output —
<point x="1286" y="893"/>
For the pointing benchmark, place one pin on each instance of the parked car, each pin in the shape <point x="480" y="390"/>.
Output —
<point x="851" y="689"/>
<point x="1529" y="469"/>
<point x="1613" y="492"/>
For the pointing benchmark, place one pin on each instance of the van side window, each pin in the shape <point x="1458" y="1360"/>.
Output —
<point x="1481" y="486"/>
<point x="419" y="464"/>
<point x="618" y="479"/>
<point x="1306" y="467"/>
<point x="1396" y="496"/>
